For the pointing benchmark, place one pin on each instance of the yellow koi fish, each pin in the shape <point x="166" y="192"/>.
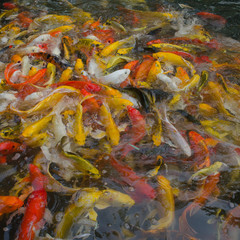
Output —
<point x="111" y="128"/>
<point x="167" y="200"/>
<point x="37" y="126"/>
<point x="113" y="47"/>
<point x="174" y="59"/>
<point x="83" y="165"/>
<point x="79" y="133"/>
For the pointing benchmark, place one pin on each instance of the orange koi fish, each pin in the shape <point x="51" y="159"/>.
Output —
<point x="200" y="150"/>
<point x="90" y="104"/>
<point x="143" y="69"/>
<point x="86" y="84"/>
<point x="210" y="184"/>
<point x="9" y="204"/>
<point x="24" y="19"/>
<point x="9" y="147"/>
<point x="131" y="66"/>
<point x="38" y="77"/>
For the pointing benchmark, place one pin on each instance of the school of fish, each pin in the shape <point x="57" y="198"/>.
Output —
<point x="134" y="116"/>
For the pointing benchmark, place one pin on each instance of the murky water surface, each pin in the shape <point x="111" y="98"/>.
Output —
<point x="119" y="120"/>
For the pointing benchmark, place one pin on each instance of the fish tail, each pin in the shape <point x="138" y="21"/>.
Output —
<point x="184" y="227"/>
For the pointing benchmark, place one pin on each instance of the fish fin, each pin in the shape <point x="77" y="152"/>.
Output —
<point x="184" y="227"/>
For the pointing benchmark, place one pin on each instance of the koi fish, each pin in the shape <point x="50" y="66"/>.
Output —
<point x="66" y="75"/>
<point x="9" y="6"/>
<point x="174" y="134"/>
<point x="80" y="135"/>
<point x="165" y="196"/>
<point x="48" y="102"/>
<point x="55" y="60"/>
<point x="111" y="128"/>
<point x="9" y="204"/>
<point x="36" y="204"/>
<point x="113" y="47"/>
<point x="38" y="180"/>
<point x="89" y="104"/>
<point x="231" y="219"/>
<point x="209" y="186"/>
<point x="87" y="85"/>
<point x="131" y="66"/>
<point x="9" y="147"/>
<point x="142" y="190"/>
<point x="212" y="17"/>
<point x="37" y="126"/>
<point x="207" y="171"/>
<point x="24" y="19"/>
<point x="82" y="205"/>
<point x="36" y="78"/>
<point x="174" y="59"/>
<point x="200" y="150"/>
<point x="116" y="77"/>
<point x="83" y="165"/>
<point x="154" y="70"/>
<point x="143" y="69"/>
<point x="35" y="209"/>
<point x="135" y="134"/>
<point x="87" y="199"/>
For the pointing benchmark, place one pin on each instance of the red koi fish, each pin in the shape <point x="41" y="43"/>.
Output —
<point x="9" y="6"/>
<point x="135" y="134"/>
<point x="9" y="204"/>
<point x="209" y="186"/>
<point x="202" y="59"/>
<point x="35" y="209"/>
<point x="212" y="17"/>
<point x="36" y="204"/>
<point x="142" y="190"/>
<point x="37" y="179"/>
<point x="155" y="41"/>
<point x="200" y="150"/>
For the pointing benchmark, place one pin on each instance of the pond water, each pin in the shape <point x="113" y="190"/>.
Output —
<point x="119" y="120"/>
